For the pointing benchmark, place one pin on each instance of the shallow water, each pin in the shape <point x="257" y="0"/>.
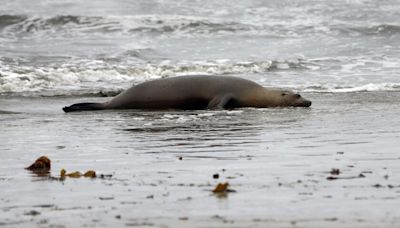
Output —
<point x="277" y="161"/>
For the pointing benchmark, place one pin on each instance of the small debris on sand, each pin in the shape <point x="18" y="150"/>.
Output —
<point x="222" y="189"/>
<point x="331" y="219"/>
<point x="90" y="173"/>
<point x="77" y="174"/>
<point x="32" y="213"/>
<point x="104" y="176"/>
<point x="335" y="171"/>
<point x="377" y="186"/>
<point x="344" y="178"/>
<point x="106" y="198"/>
<point x="42" y="165"/>
<point x="62" y="173"/>
<point x="216" y="176"/>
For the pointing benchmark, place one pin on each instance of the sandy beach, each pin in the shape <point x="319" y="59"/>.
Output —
<point x="278" y="162"/>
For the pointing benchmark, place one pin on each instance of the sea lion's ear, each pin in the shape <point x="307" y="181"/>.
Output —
<point x="220" y="102"/>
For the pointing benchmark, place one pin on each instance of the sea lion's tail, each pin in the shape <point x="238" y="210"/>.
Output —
<point x="84" y="107"/>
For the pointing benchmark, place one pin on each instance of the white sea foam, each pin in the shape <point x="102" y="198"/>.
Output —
<point x="71" y="81"/>
<point x="370" y="87"/>
<point x="95" y="76"/>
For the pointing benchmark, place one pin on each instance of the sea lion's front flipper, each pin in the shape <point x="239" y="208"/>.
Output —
<point x="84" y="107"/>
<point x="220" y="102"/>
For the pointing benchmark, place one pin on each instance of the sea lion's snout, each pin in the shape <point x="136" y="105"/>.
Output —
<point x="301" y="102"/>
<point x="307" y="103"/>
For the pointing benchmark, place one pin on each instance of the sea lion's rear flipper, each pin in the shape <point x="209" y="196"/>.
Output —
<point x="220" y="102"/>
<point x="84" y="107"/>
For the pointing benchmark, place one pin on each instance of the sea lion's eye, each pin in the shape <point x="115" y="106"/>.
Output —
<point x="283" y="94"/>
<point x="298" y="95"/>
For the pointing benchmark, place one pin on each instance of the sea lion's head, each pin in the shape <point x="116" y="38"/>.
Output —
<point x="293" y="99"/>
<point x="266" y="98"/>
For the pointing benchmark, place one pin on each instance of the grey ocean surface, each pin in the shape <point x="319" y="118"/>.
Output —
<point x="342" y="55"/>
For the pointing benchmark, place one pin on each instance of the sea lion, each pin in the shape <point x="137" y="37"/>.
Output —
<point x="197" y="92"/>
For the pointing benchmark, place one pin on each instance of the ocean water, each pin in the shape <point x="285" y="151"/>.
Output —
<point x="72" y="47"/>
<point x="343" y="55"/>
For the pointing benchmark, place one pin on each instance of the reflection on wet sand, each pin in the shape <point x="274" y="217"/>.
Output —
<point x="205" y="131"/>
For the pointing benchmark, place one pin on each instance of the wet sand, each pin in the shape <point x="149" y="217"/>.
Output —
<point x="162" y="165"/>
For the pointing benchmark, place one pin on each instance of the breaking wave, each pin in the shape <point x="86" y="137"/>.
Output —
<point x="90" y="77"/>
<point x="143" y="24"/>
<point x="380" y="29"/>
<point x="103" y="79"/>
